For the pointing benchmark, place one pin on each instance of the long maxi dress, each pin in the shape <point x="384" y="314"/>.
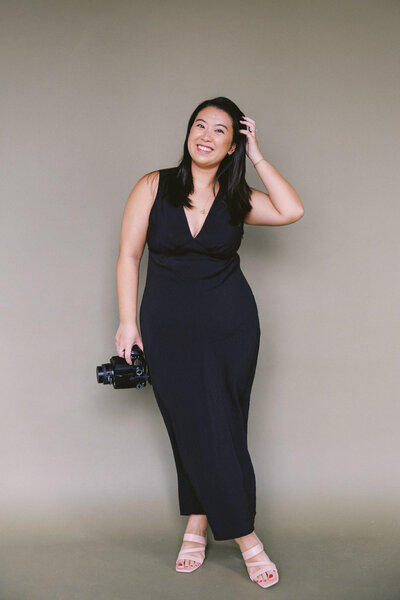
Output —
<point x="201" y="334"/>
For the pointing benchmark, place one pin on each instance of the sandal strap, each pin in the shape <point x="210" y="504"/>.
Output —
<point x="188" y="552"/>
<point x="193" y="537"/>
<point x="269" y="564"/>
<point x="253" y="551"/>
<point x="264" y="565"/>
<point x="193" y="549"/>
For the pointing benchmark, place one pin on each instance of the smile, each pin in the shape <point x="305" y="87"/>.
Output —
<point x="204" y="149"/>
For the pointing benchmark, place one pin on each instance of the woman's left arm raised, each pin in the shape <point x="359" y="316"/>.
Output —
<point x="282" y="204"/>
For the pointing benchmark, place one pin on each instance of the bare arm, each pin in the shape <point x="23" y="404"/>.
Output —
<point x="280" y="206"/>
<point x="134" y="227"/>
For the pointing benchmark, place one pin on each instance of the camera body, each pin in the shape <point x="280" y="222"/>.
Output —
<point x="121" y="374"/>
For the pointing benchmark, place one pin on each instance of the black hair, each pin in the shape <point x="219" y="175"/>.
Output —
<point x="231" y="171"/>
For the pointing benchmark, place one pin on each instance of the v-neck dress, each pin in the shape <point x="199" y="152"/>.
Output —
<point x="200" y="329"/>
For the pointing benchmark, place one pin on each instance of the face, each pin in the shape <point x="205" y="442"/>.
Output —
<point x="213" y="129"/>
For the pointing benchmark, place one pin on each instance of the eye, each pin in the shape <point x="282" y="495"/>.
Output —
<point x="201" y="125"/>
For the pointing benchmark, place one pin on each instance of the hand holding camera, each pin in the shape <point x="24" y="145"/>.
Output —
<point x="125" y="338"/>
<point x="125" y="375"/>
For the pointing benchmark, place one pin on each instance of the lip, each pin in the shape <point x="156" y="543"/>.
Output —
<point x="204" y="151"/>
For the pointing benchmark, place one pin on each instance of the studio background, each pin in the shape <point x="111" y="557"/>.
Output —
<point x="94" y="95"/>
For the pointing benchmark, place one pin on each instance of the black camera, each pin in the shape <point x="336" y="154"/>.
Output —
<point x="123" y="375"/>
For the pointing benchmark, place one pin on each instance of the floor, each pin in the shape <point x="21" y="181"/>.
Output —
<point x="122" y="563"/>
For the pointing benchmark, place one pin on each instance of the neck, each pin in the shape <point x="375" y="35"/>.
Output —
<point x="204" y="178"/>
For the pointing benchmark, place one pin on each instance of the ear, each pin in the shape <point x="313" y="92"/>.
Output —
<point x="232" y="149"/>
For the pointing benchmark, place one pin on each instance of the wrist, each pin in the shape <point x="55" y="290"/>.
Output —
<point x="257" y="160"/>
<point x="131" y="324"/>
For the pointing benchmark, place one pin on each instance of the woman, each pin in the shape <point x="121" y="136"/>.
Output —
<point x="199" y="319"/>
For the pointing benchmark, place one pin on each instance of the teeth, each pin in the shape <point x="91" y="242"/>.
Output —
<point x="204" y="148"/>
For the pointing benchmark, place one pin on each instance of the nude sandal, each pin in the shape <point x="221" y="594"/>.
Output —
<point x="186" y="552"/>
<point x="263" y="564"/>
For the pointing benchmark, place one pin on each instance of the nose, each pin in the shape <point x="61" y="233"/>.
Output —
<point x="206" y="136"/>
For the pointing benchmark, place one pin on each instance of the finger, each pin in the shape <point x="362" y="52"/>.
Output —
<point x="250" y="125"/>
<point x="251" y="129"/>
<point x="127" y="355"/>
<point x="118" y="349"/>
<point x="251" y="135"/>
<point x="249" y="119"/>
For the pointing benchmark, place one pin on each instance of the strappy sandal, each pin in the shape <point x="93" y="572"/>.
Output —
<point x="186" y="552"/>
<point x="265" y="565"/>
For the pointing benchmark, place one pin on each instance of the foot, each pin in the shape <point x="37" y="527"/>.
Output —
<point x="267" y="577"/>
<point x="184" y="564"/>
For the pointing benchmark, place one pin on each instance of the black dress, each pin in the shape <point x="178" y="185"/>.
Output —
<point x="201" y="333"/>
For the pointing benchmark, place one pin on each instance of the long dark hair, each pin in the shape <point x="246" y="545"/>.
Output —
<point x="231" y="171"/>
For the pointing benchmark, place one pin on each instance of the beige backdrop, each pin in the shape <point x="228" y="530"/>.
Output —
<point x="94" y="95"/>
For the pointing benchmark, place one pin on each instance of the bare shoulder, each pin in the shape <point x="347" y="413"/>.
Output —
<point x="151" y="179"/>
<point x="143" y="194"/>
<point x="263" y="211"/>
<point x="147" y="186"/>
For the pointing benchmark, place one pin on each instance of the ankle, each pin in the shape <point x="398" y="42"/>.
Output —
<point x="246" y="541"/>
<point x="197" y="531"/>
<point x="197" y="524"/>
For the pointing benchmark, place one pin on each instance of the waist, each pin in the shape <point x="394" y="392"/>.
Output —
<point x="193" y="265"/>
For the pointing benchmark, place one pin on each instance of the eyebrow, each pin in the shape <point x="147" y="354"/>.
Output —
<point x="220" y="124"/>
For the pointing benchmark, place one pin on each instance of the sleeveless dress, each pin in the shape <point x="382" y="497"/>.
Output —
<point x="200" y="329"/>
